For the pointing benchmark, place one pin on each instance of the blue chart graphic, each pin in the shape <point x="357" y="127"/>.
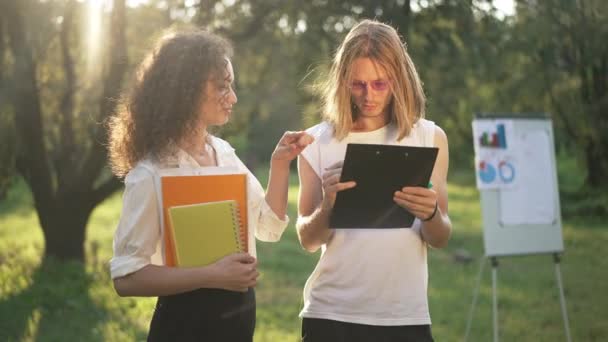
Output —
<point x="506" y="171"/>
<point x="488" y="172"/>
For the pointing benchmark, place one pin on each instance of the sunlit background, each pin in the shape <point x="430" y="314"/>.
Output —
<point x="64" y="63"/>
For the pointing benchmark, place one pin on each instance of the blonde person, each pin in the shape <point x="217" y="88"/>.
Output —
<point x="183" y="87"/>
<point x="370" y="284"/>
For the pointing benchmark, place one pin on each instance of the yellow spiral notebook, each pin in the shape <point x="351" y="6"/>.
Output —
<point x="203" y="233"/>
<point x="178" y="190"/>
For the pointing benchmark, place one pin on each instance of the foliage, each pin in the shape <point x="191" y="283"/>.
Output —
<point x="7" y="152"/>
<point x="568" y="58"/>
<point x="578" y="201"/>
<point x="7" y="136"/>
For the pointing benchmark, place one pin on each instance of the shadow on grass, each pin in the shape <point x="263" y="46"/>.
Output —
<point x="57" y="306"/>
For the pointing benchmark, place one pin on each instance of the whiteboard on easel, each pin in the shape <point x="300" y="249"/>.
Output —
<point x="517" y="180"/>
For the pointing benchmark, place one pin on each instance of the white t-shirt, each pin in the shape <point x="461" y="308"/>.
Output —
<point x="137" y="240"/>
<point x="368" y="276"/>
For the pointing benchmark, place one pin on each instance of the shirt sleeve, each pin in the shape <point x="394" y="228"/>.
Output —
<point x="138" y="231"/>
<point x="268" y="226"/>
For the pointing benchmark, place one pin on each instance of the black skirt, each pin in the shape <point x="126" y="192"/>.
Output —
<point x="204" y="315"/>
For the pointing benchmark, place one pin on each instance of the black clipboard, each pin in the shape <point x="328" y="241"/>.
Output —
<point x="379" y="171"/>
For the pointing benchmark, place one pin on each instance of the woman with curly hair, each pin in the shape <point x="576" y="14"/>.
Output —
<point x="182" y="88"/>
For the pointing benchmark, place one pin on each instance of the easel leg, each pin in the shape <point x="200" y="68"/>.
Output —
<point x="495" y="297"/>
<point x="475" y="294"/>
<point x="562" y="298"/>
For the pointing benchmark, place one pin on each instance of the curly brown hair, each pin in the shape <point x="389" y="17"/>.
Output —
<point x="162" y="106"/>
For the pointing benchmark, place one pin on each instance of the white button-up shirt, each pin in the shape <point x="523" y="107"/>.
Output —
<point x="138" y="237"/>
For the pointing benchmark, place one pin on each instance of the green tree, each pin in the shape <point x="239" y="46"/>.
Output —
<point x="59" y="131"/>
<point x="566" y="41"/>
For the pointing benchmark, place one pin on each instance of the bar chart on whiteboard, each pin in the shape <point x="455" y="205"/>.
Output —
<point x="495" y="154"/>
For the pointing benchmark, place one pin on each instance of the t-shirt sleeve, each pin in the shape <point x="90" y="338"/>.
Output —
<point x="312" y="152"/>
<point x="429" y="133"/>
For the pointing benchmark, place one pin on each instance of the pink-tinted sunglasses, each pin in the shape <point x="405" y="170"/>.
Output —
<point x="377" y="85"/>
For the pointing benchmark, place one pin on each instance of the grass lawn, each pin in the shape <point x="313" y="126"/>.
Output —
<point x="74" y="302"/>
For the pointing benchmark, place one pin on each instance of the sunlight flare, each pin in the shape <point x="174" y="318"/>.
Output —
<point x="93" y="37"/>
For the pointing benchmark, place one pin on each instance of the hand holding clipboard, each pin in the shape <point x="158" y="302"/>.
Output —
<point x="379" y="171"/>
<point x="332" y="184"/>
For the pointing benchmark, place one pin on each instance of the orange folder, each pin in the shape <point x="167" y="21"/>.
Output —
<point x="184" y="190"/>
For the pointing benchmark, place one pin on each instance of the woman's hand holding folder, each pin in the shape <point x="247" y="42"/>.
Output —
<point x="235" y="272"/>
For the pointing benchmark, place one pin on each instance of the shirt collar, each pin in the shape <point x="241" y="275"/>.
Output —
<point x="183" y="159"/>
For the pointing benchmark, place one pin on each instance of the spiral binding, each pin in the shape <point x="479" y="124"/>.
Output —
<point x="238" y="225"/>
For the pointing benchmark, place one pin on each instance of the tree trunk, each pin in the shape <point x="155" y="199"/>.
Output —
<point x="64" y="232"/>
<point x="594" y="90"/>
<point x="597" y="166"/>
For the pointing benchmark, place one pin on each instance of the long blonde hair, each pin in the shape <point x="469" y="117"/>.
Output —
<point x="381" y="43"/>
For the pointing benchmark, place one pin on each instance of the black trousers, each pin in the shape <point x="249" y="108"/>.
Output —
<point x="207" y="315"/>
<point x="325" y="330"/>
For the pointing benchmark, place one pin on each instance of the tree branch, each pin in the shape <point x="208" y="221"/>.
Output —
<point x="555" y="102"/>
<point x="64" y="162"/>
<point x="32" y="162"/>
<point x="106" y="189"/>
<point x="255" y="24"/>
<point x="2" y="58"/>
<point x="117" y="66"/>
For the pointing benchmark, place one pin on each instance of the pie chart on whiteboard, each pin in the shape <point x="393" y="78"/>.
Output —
<point x="487" y="172"/>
